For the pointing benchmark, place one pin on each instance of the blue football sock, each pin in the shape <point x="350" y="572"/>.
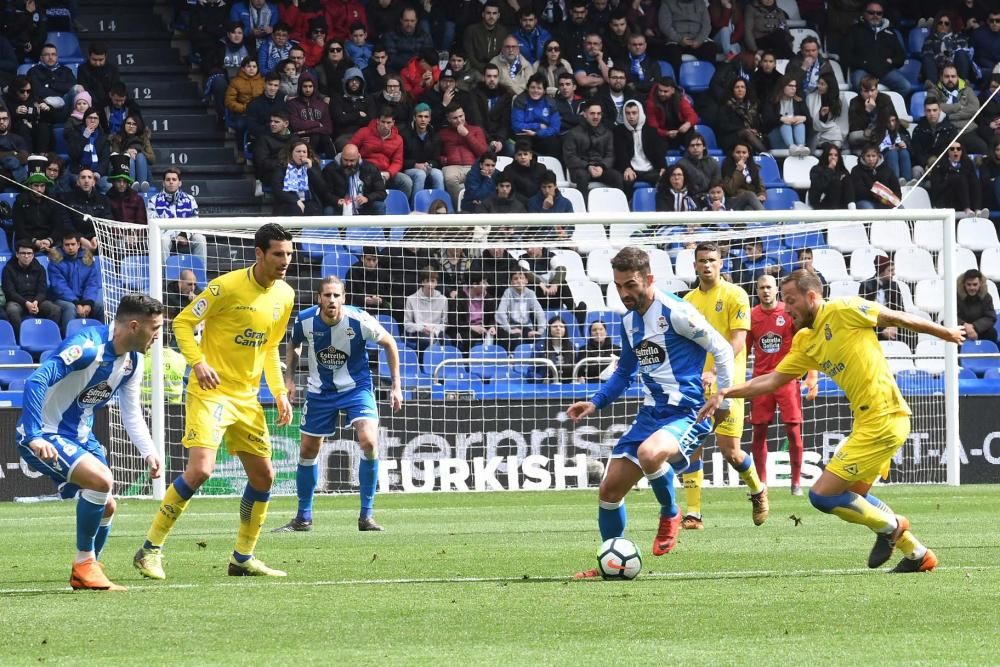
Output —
<point x="102" y="536"/>
<point x="367" y="481"/>
<point x="695" y="466"/>
<point x="611" y="519"/>
<point x="747" y="462"/>
<point x="306" y="478"/>
<point x="182" y="488"/>
<point x="89" y="512"/>
<point x="662" y="484"/>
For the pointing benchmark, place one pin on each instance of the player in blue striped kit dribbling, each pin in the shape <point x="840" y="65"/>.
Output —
<point x="340" y="379"/>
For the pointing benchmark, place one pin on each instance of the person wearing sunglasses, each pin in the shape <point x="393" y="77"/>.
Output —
<point x="985" y="42"/>
<point x="945" y="46"/>
<point x="954" y="183"/>
<point x="871" y="47"/>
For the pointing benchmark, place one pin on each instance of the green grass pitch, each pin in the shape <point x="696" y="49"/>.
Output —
<point x="470" y="579"/>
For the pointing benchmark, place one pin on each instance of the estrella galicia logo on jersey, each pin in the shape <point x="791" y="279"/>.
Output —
<point x="250" y="338"/>
<point x="661" y="322"/>
<point x="770" y="343"/>
<point x="827" y="332"/>
<point x="71" y="354"/>
<point x="650" y="355"/>
<point x="331" y="357"/>
<point x="718" y="306"/>
<point x="99" y="393"/>
<point x="200" y="307"/>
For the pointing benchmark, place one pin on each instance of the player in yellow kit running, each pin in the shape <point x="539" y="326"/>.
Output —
<point x="838" y="338"/>
<point x="727" y="308"/>
<point x="245" y="314"/>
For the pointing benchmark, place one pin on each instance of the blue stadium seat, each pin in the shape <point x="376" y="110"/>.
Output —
<point x="75" y="325"/>
<point x="666" y="69"/>
<point x="915" y="40"/>
<point x="524" y="371"/>
<point x="7" y="338"/>
<point x="711" y="143"/>
<point x="362" y="236"/>
<point x="134" y="273"/>
<point x="38" y="335"/>
<point x="770" y="175"/>
<point x="780" y="199"/>
<point x="696" y="75"/>
<point x="917" y="104"/>
<point x="409" y="369"/>
<point x="919" y="383"/>
<point x="435" y="354"/>
<point x="338" y="263"/>
<point x="911" y="70"/>
<point x="422" y="199"/>
<point x="178" y="262"/>
<point x="16" y="385"/>
<point x="8" y="198"/>
<point x="644" y="199"/>
<point x="316" y="249"/>
<point x="966" y="374"/>
<point x="45" y="355"/>
<point x="67" y="45"/>
<point x="797" y="240"/>
<point x="59" y="139"/>
<point x="396" y="203"/>
<point x="992" y="373"/>
<point x="389" y="323"/>
<point x="979" y="366"/>
<point x="14" y="356"/>
<point x="485" y="353"/>
<point x="12" y="399"/>
<point x="612" y="322"/>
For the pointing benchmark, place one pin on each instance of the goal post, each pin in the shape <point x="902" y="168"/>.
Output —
<point x="466" y="427"/>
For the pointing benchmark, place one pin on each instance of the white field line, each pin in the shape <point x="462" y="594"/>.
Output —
<point x="693" y="574"/>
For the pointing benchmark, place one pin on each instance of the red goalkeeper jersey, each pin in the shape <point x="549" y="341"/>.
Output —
<point x="771" y="333"/>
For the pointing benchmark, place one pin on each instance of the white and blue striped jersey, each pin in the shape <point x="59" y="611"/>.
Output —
<point x="84" y="374"/>
<point x="338" y="360"/>
<point x="668" y="345"/>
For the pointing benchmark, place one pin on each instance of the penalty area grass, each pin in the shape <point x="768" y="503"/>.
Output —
<point x="464" y="578"/>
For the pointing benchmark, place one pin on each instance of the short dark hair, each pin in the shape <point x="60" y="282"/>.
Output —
<point x="707" y="246"/>
<point x="973" y="273"/>
<point x="490" y="66"/>
<point x="270" y="232"/>
<point x="97" y="49"/>
<point x="526" y="10"/>
<point x="25" y="243"/>
<point x="231" y="26"/>
<point x="505" y="178"/>
<point x="428" y="273"/>
<point x="70" y="233"/>
<point x="281" y="25"/>
<point x="804" y="281"/>
<point x="273" y="75"/>
<point x="523" y="145"/>
<point x="631" y="258"/>
<point x="539" y="79"/>
<point x="118" y="88"/>
<point x="133" y="306"/>
<point x="357" y="25"/>
<point x="386" y="112"/>
<point x="279" y="113"/>
<point x="172" y="170"/>
<point x="548" y="178"/>
<point x="565" y="75"/>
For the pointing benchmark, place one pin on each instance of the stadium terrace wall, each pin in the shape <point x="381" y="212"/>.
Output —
<point x="526" y="445"/>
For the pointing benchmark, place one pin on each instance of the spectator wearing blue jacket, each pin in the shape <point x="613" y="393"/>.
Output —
<point x="480" y="183"/>
<point x="530" y="35"/>
<point x="75" y="281"/>
<point x="548" y="199"/>
<point x="533" y="116"/>
<point x="258" y="17"/>
<point x="275" y="49"/>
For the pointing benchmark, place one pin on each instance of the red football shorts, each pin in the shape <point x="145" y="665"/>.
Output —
<point x="788" y="399"/>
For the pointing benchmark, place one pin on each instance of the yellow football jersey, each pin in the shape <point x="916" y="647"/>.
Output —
<point x="244" y="324"/>
<point x="842" y="343"/>
<point x="727" y="308"/>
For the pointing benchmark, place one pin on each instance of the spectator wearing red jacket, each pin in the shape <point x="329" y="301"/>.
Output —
<point x="669" y="112"/>
<point x="298" y="15"/>
<point x="379" y="143"/>
<point x="309" y="117"/>
<point x="421" y="73"/>
<point x="341" y="15"/>
<point x="461" y="146"/>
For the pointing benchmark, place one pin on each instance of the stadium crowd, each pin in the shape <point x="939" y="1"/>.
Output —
<point x="502" y="105"/>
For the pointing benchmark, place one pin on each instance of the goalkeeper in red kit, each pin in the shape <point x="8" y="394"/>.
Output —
<point x="771" y="332"/>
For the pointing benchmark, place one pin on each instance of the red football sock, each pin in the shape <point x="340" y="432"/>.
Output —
<point x="794" y="434"/>
<point x="759" y="451"/>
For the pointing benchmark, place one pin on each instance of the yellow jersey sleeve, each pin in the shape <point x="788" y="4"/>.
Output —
<point x="244" y="324"/>
<point x="855" y="313"/>
<point x="737" y="305"/>
<point x="797" y="362"/>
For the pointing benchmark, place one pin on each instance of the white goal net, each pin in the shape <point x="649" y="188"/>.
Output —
<point x="487" y="370"/>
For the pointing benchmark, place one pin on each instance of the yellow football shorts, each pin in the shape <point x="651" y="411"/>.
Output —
<point x="239" y="421"/>
<point x="866" y="454"/>
<point x="733" y="424"/>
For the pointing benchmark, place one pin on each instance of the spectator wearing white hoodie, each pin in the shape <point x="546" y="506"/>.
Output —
<point x="425" y="312"/>
<point x="519" y="318"/>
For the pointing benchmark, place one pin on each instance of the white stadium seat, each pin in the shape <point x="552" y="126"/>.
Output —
<point x="588" y="292"/>
<point x="795" y="171"/>
<point x="588" y="236"/>
<point x="965" y="259"/>
<point x="863" y="262"/>
<point x="847" y="237"/>
<point x="614" y="300"/>
<point x="607" y="200"/>
<point x="929" y="295"/>
<point x="929" y="234"/>
<point x="659" y="264"/>
<point x="840" y="288"/>
<point x="913" y="264"/>
<point x="898" y="354"/>
<point x="599" y="265"/>
<point x="684" y="265"/>
<point x="977" y="233"/>
<point x="830" y="263"/>
<point x="929" y="356"/>
<point x="989" y="263"/>
<point x="575" y="197"/>
<point x="890" y="235"/>
<point x="915" y="197"/>
<point x="553" y="163"/>
<point x="572" y="261"/>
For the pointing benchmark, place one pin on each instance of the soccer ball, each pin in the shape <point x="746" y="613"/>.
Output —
<point x="619" y="558"/>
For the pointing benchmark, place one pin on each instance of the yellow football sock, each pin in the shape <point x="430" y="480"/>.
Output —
<point x="750" y="478"/>
<point x="171" y="508"/>
<point x="253" y="511"/>
<point x="856" y="509"/>
<point x="910" y="545"/>
<point x="692" y="491"/>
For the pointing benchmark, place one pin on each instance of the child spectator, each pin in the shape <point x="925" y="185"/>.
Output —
<point x="519" y="316"/>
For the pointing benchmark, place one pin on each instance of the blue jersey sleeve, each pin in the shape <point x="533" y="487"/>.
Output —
<point x="298" y="337"/>
<point x="71" y="358"/>
<point x="619" y="380"/>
